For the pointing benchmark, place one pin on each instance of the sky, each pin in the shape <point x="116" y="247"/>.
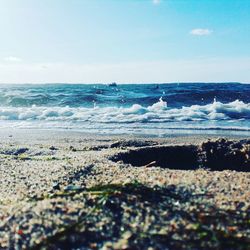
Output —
<point x="126" y="41"/>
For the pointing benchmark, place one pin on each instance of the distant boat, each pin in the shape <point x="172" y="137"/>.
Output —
<point x="113" y="84"/>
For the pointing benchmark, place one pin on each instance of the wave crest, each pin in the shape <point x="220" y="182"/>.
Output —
<point x="157" y="113"/>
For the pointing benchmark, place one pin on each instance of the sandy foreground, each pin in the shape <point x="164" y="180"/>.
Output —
<point x="68" y="190"/>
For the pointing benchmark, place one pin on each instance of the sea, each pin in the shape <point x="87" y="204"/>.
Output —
<point x="134" y="109"/>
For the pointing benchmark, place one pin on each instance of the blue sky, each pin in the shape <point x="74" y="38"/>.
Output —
<point x="124" y="40"/>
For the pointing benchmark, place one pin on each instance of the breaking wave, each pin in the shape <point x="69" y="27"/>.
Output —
<point x="159" y="112"/>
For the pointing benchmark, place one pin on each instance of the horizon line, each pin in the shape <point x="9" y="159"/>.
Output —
<point x="119" y="83"/>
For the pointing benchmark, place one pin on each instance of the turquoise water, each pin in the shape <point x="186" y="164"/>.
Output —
<point x="154" y="109"/>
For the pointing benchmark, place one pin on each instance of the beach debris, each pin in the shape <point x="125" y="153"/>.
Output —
<point x="151" y="164"/>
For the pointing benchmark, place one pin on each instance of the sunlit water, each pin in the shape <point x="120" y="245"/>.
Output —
<point x="128" y="109"/>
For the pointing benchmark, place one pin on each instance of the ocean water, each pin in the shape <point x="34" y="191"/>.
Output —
<point x="147" y="109"/>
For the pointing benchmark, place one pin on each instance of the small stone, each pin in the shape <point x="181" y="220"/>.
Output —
<point x="56" y="186"/>
<point x="53" y="148"/>
<point x="72" y="149"/>
<point x="73" y="188"/>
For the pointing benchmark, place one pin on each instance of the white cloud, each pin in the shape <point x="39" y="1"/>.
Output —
<point x="201" y="32"/>
<point x="12" y="59"/>
<point x="156" y="1"/>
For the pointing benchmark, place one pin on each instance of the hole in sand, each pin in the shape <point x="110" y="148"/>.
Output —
<point x="177" y="157"/>
<point x="215" y="155"/>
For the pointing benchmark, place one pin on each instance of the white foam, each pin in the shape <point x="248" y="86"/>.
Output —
<point x="157" y="113"/>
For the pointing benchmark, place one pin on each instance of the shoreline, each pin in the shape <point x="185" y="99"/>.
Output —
<point x="57" y="134"/>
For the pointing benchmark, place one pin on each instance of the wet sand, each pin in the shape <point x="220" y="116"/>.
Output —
<point x="63" y="190"/>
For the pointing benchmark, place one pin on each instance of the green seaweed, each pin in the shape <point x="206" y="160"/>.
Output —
<point x="51" y="158"/>
<point x="24" y="157"/>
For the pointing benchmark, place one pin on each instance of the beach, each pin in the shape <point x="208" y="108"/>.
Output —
<point x="72" y="190"/>
<point x="124" y="125"/>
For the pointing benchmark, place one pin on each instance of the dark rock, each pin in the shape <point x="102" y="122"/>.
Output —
<point x="56" y="186"/>
<point x="71" y="148"/>
<point x="53" y="148"/>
